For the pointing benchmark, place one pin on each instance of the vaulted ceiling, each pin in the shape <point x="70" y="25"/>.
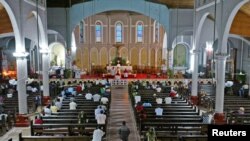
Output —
<point x="240" y="26"/>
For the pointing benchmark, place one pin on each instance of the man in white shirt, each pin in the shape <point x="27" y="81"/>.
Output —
<point x="97" y="134"/>
<point x="47" y="111"/>
<point x="158" y="111"/>
<point x="101" y="118"/>
<point x="72" y="105"/>
<point x="96" y="97"/>
<point x="88" y="96"/>
<point x="159" y="100"/>
<point x="158" y="89"/>
<point x="104" y="100"/>
<point x="137" y="98"/>
<point x="98" y="110"/>
<point x="168" y="100"/>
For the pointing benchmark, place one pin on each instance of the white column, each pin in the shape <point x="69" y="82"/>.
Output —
<point x="45" y="72"/>
<point x="21" y="62"/>
<point x="220" y="82"/>
<point x="194" y="91"/>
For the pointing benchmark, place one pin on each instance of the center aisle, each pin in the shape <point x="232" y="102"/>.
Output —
<point x="121" y="110"/>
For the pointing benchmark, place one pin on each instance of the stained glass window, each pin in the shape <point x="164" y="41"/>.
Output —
<point x="98" y="32"/>
<point x="139" y="32"/>
<point x="118" y="32"/>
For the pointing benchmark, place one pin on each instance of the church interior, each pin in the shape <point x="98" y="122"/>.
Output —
<point x="110" y="70"/>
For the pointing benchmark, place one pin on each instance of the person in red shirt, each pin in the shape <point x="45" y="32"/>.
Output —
<point x="38" y="120"/>
<point x="172" y="94"/>
<point x="139" y="107"/>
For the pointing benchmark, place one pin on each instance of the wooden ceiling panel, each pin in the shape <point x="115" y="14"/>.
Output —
<point x="246" y="8"/>
<point x="5" y="22"/>
<point x="176" y="3"/>
<point x="241" y="24"/>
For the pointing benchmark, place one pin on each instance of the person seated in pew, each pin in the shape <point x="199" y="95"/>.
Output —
<point x="97" y="134"/>
<point x="104" y="108"/>
<point x="151" y="135"/>
<point x="96" y="97"/>
<point x="72" y="105"/>
<point x="101" y="117"/>
<point x="104" y="100"/>
<point x="168" y="100"/>
<point x="38" y="120"/>
<point x="137" y="98"/>
<point x="241" y="111"/>
<point x="158" y="89"/>
<point x="53" y="108"/>
<point x="158" y="100"/>
<point x="158" y="111"/>
<point x="147" y="104"/>
<point x="88" y="96"/>
<point x="98" y="110"/>
<point x="142" y="115"/>
<point x="58" y="104"/>
<point x="139" y="107"/>
<point x="47" y="110"/>
<point x="242" y="90"/>
<point x="173" y="94"/>
<point x="79" y="88"/>
<point x="81" y="120"/>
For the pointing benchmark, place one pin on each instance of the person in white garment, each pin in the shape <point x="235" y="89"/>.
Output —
<point x="158" y="111"/>
<point x="101" y="118"/>
<point x="72" y="105"/>
<point x="88" y="96"/>
<point x="98" y="134"/>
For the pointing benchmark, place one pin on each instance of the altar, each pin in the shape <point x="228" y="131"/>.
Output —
<point x="122" y="68"/>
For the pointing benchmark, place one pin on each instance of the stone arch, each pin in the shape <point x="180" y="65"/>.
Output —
<point x="82" y="10"/>
<point x="41" y="30"/>
<point x="112" y="53"/>
<point x="186" y="54"/>
<point x="144" y="56"/>
<point x="60" y="49"/>
<point x="229" y="23"/>
<point x="94" y="57"/>
<point x="152" y="57"/>
<point x="16" y="30"/>
<point x="159" y="57"/>
<point x="134" y="56"/>
<point x="124" y="53"/>
<point x="103" y="56"/>
<point x="85" y="60"/>
<point x="198" y="31"/>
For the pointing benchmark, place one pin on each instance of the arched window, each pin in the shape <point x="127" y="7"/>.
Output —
<point x="98" y="32"/>
<point x="81" y="33"/>
<point x="139" y="32"/>
<point x="118" y="32"/>
<point x="156" y="32"/>
<point x="180" y="56"/>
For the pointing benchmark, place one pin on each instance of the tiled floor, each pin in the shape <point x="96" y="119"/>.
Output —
<point x="121" y="110"/>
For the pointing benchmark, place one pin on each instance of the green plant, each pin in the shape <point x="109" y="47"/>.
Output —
<point x="67" y="73"/>
<point x="241" y="76"/>
<point x="170" y="73"/>
<point x="122" y="61"/>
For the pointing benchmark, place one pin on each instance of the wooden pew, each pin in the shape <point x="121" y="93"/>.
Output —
<point x="64" y="128"/>
<point x="54" y="138"/>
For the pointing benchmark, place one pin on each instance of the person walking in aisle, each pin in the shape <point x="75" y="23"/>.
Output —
<point x="124" y="132"/>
